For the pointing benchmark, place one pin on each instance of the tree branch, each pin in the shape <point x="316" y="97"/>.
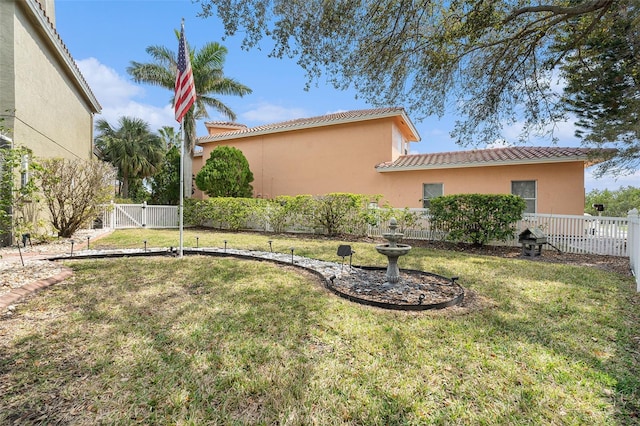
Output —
<point x="578" y="10"/>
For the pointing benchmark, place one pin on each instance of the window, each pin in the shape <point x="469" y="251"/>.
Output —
<point x="429" y="191"/>
<point x="526" y="189"/>
<point x="24" y="171"/>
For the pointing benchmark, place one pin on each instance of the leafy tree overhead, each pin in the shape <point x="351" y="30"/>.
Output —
<point x="496" y="62"/>
<point x="603" y="87"/>
<point x="209" y="79"/>
<point x="226" y="173"/>
<point x="132" y="149"/>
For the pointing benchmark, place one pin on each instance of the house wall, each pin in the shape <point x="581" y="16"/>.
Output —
<point x="309" y="161"/>
<point x="48" y="114"/>
<point x="560" y="186"/>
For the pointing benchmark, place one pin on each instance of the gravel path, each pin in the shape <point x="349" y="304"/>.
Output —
<point x="13" y="274"/>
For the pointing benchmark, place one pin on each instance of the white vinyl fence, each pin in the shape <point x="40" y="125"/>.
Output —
<point x="570" y="234"/>
<point x="121" y="216"/>
<point x="633" y="236"/>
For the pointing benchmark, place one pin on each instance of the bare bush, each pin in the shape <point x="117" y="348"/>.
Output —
<point x="74" y="190"/>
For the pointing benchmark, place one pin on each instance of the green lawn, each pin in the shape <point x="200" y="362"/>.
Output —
<point x="206" y="340"/>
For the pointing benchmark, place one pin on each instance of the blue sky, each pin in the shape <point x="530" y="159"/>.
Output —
<point x="104" y="36"/>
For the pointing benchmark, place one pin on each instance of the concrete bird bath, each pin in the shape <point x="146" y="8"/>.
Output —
<point x="393" y="251"/>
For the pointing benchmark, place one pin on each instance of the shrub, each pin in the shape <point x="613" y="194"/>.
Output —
<point x="332" y="213"/>
<point x="343" y="213"/>
<point x="226" y="173"/>
<point x="227" y="212"/>
<point x="74" y="190"/>
<point x="406" y="218"/>
<point x="286" y="211"/>
<point x="477" y="218"/>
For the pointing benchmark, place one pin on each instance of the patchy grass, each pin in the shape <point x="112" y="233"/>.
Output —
<point x="204" y="340"/>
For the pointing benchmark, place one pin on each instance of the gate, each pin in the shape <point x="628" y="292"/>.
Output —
<point x="122" y="216"/>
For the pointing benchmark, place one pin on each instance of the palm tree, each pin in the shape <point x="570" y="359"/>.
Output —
<point x="132" y="149"/>
<point x="169" y="137"/>
<point x="209" y="79"/>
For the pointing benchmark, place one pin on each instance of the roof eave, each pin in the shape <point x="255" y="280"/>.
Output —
<point x="390" y="114"/>
<point x="582" y="158"/>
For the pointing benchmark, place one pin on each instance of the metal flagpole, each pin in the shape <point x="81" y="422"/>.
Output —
<point x="181" y="209"/>
<point x="185" y="96"/>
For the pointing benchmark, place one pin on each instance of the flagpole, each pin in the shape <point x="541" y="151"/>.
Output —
<point x="185" y="96"/>
<point x="181" y="209"/>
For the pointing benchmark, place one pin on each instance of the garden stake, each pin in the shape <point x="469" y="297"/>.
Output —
<point x="270" y="248"/>
<point x="292" y="255"/>
<point x="72" y="248"/>
<point x="20" y="251"/>
<point x="88" y="242"/>
<point x="145" y="246"/>
<point x="197" y="242"/>
<point x="225" y="246"/>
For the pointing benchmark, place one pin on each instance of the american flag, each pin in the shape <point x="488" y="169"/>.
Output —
<point x="185" y="88"/>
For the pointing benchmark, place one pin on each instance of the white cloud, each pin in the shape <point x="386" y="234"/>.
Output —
<point x="498" y="143"/>
<point x="156" y="117"/>
<point x="117" y="96"/>
<point x="265" y="112"/>
<point x="110" y="88"/>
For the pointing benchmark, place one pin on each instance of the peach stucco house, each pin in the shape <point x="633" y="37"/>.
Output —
<point x="366" y="152"/>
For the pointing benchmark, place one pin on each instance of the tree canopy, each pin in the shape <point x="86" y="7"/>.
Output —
<point x="226" y="173"/>
<point x="498" y="63"/>
<point x="603" y="87"/>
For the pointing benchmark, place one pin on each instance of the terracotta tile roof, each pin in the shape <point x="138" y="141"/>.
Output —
<point x="489" y="157"/>
<point x="323" y="120"/>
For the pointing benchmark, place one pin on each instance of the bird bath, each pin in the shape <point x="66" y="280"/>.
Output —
<point x="393" y="251"/>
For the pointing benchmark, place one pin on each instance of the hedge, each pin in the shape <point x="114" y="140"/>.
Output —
<point x="477" y="218"/>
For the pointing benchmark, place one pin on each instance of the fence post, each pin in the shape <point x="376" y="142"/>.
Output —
<point x="633" y="241"/>
<point x="144" y="214"/>
<point x="112" y="210"/>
